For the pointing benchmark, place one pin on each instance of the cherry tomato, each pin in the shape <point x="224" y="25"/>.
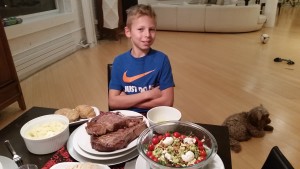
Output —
<point x="167" y="134"/>
<point x="152" y="157"/>
<point x="203" y="153"/>
<point x="200" y="159"/>
<point x="201" y="148"/>
<point x="155" y="159"/>
<point x="151" y="147"/>
<point x="160" y="137"/>
<point x="197" y="140"/>
<point x="200" y="144"/>
<point x="155" y="140"/>
<point x="176" y="134"/>
<point x="182" y="136"/>
<point x="149" y="153"/>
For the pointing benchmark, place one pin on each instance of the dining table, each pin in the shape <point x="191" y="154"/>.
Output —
<point x="12" y="132"/>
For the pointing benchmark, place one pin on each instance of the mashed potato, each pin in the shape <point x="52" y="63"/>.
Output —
<point x="46" y="130"/>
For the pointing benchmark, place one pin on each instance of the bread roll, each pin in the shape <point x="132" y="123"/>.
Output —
<point x="71" y="114"/>
<point x="85" y="111"/>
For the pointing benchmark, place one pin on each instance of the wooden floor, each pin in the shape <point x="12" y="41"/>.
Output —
<point x="216" y="75"/>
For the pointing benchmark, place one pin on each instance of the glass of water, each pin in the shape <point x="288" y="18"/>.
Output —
<point x="28" y="166"/>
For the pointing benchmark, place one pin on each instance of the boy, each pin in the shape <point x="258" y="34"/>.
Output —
<point x="141" y="78"/>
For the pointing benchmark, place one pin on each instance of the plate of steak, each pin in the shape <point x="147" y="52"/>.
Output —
<point x="78" y="157"/>
<point x="117" y="136"/>
<point x="96" y="157"/>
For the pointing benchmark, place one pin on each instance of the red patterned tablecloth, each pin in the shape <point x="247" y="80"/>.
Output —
<point x="62" y="155"/>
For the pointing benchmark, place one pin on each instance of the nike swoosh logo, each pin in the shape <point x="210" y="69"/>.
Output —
<point x="127" y="79"/>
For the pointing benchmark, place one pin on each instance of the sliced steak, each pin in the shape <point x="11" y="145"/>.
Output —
<point x="108" y="122"/>
<point x="118" y="139"/>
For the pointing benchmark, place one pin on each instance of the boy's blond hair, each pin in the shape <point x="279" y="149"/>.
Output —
<point x="138" y="11"/>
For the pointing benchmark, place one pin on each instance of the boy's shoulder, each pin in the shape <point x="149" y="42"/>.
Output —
<point x="157" y="52"/>
<point x="123" y="55"/>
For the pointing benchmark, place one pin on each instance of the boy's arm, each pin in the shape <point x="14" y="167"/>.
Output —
<point x="119" y="100"/>
<point x="166" y="99"/>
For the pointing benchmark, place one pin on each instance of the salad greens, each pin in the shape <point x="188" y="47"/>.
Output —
<point x="177" y="150"/>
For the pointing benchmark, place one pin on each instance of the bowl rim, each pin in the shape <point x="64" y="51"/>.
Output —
<point x="41" y="119"/>
<point x="159" y="107"/>
<point x="186" y="123"/>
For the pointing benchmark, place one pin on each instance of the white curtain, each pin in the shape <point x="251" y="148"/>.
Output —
<point x="88" y="16"/>
<point x="110" y="14"/>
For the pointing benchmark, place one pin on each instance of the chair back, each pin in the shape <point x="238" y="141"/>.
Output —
<point x="109" y="67"/>
<point x="276" y="160"/>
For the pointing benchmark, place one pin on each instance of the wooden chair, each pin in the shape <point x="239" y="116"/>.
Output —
<point x="276" y="160"/>
<point x="109" y="67"/>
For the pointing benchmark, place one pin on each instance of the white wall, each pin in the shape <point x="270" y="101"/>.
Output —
<point x="40" y="41"/>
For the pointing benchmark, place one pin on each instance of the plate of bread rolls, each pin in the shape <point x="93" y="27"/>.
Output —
<point x="80" y="114"/>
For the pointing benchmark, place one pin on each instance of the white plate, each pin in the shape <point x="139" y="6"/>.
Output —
<point x="64" y="165"/>
<point x="216" y="163"/>
<point x="7" y="163"/>
<point x="77" y="137"/>
<point x="130" y="164"/>
<point x="81" y="121"/>
<point x="141" y="163"/>
<point x="80" y="158"/>
<point x="84" y="141"/>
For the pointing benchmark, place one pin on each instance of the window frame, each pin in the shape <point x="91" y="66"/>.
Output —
<point x="41" y="13"/>
<point x="43" y="20"/>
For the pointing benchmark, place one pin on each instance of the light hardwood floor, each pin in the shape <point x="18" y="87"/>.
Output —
<point x="216" y="75"/>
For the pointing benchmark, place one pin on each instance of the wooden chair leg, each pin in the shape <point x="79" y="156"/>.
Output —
<point x="279" y="7"/>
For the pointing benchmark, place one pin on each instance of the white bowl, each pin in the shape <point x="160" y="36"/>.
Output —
<point x="47" y="144"/>
<point x="163" y="113"/>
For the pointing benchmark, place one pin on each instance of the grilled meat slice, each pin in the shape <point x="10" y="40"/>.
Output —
<point x="118" y="139"/>
<point x="108" y="122"/>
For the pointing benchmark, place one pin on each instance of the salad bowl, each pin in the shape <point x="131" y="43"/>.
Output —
<point x="177" y="144"/>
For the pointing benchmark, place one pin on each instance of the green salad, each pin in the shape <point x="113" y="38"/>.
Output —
<point x="177" y="150"/>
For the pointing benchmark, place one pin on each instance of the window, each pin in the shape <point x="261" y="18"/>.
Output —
<point x="10" y="8"/>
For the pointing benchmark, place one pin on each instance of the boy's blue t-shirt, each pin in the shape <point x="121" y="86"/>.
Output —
<point x="134" y="75"/>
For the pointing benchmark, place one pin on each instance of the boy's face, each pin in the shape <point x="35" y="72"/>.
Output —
<point x="141" y="33"/>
